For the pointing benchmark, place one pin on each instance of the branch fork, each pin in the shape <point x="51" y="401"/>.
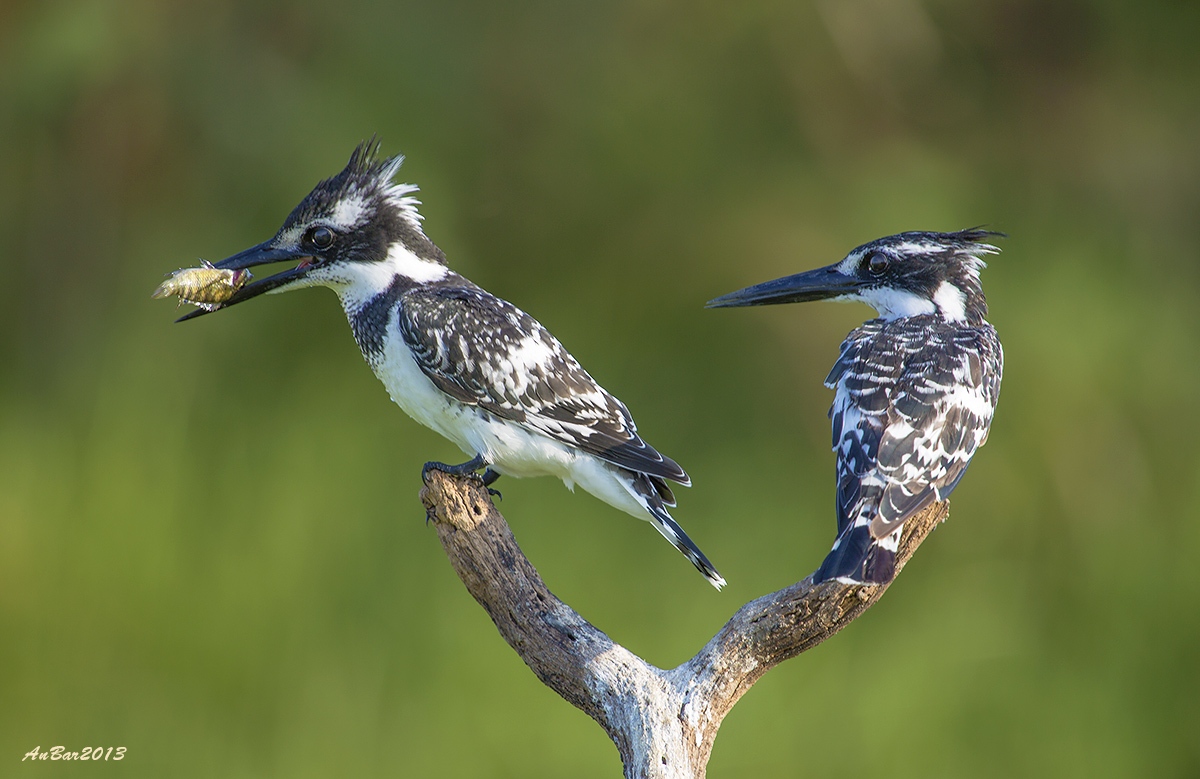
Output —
<point x="664" y="722"/>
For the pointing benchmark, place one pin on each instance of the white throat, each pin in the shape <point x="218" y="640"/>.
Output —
<point x="359" y="282"/>
<point x="356" y="283"/>
<point x="948" y="300"/>
<point x="894" y="303"/>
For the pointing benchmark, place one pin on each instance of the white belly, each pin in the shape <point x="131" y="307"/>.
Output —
<point x="512" y="449"/>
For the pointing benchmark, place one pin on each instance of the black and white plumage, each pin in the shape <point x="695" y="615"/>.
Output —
<point x="473" y="367"/>
<point x="915" y="389"/>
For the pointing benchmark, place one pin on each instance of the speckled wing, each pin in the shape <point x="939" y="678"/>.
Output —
<point x="914" y="402"/>
<point x="486" y="352"/>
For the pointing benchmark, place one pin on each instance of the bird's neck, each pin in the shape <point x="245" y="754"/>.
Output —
<point x="948" y="302"/>
<point x="370" y="313"/>
<point x="359" y="284"/>
<point x="371" y="291"/>
<point x="897" y="303"/>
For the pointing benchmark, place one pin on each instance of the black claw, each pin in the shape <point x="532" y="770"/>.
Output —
<point x="488" y="478"/>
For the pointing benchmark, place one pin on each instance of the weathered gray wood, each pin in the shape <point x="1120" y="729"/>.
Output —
<point x="663" y="722"/>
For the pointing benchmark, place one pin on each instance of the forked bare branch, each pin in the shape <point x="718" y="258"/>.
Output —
<point x="663" y="722"/>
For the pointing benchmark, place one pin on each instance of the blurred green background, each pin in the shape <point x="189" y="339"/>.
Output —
<point x="211" y="547"/>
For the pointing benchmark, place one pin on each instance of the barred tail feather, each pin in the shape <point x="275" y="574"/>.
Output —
<point x="857" y="558"/>
<point x="671" y="531"/>
<point x="651" y="499"/>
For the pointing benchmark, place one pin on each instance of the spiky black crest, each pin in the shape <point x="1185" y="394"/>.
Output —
<point x="365" y="181"/>
<point x="363" y="202"/>
<point x="366" y="156"/>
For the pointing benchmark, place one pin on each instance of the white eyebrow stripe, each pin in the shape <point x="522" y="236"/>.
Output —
<point x="348" y="212"/>
<point x="849" y="266"/>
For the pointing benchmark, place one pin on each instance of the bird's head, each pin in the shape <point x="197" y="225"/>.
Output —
<point x="355" y="232"/>
<point x="901" y="275"/>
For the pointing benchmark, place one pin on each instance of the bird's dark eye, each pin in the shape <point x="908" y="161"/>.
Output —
<point x="878" y="263"/>
<point x="320" y="237"/>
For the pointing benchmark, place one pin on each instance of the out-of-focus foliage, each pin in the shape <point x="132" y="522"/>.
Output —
<point x="211" y="547"/>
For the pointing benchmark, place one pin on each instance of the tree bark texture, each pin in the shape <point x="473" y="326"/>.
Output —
<point x="663" y="722"/>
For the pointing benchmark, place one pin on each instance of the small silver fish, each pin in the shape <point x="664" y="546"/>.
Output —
<point x="207" y="286"/>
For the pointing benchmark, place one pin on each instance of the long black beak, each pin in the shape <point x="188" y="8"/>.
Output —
<point x="262" y="254"/>
<point x="819" y="284"/>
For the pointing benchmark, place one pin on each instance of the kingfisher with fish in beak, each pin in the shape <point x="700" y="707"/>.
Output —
<point x="459" y="360"/>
